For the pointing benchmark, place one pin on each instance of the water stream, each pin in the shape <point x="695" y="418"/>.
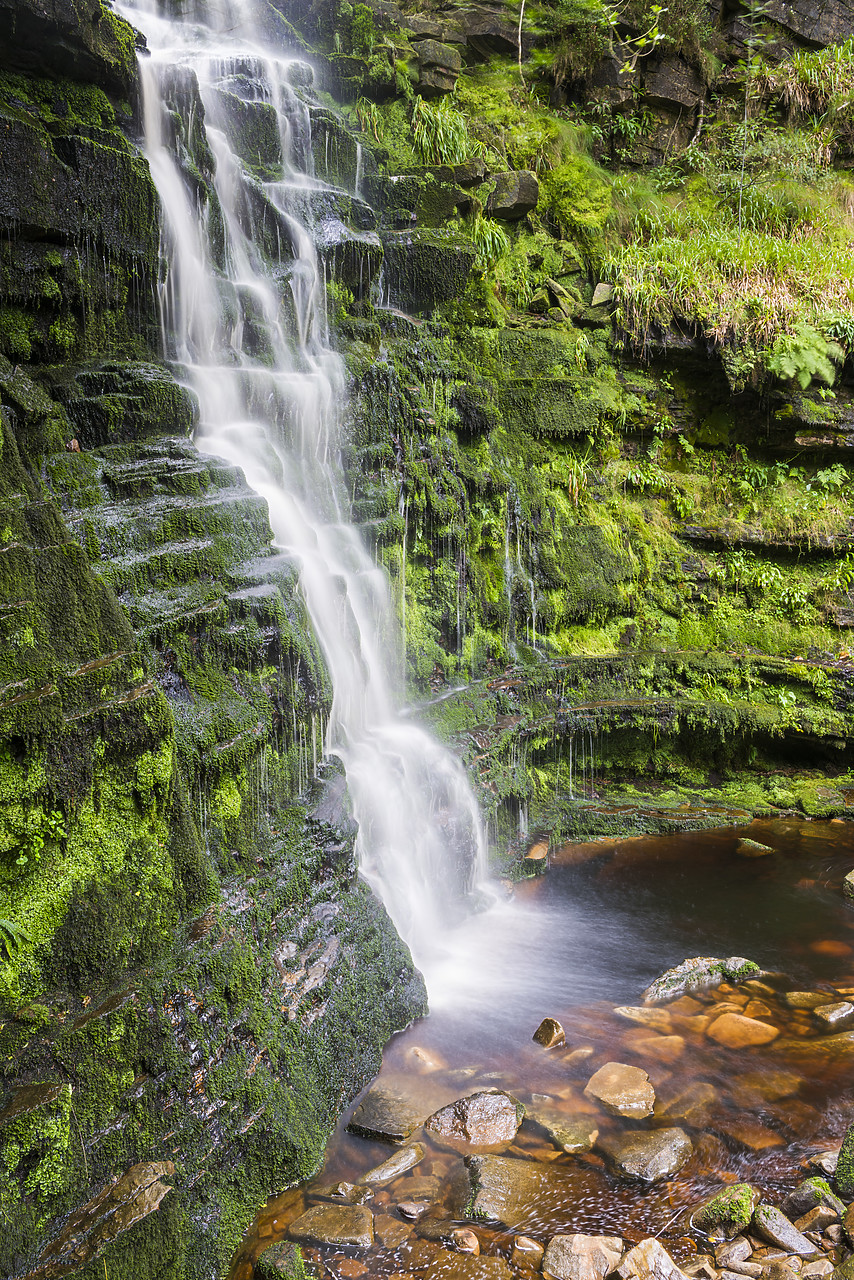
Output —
<point x="244" y="323"/>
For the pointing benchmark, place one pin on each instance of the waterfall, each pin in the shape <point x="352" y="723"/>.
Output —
<point x="244" y="324"/>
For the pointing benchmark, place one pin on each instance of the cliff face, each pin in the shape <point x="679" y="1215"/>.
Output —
<point x="193" y="981"/>
<point x="598" y="435"/>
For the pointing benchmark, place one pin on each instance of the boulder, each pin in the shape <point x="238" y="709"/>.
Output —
<point x="439" y="67"/>
<point x="550" y="1034"/>
<point x="734" y="1031"/>
<point x="805" y="999"/>
<point x="423" y="267"/>
<point x="603" y="295"/>
<point x="834" y="1015"/>
<point x="701" y="971"/>
<point x="487" y="32"/>
<point x="568" y="1133"/>
<point x="580" y="1257"/>
<point x="730" y="1210"/>
<point x="622" y="1090"/>
<point x="386" y="1115"/>
<point x="649" y="1155"/>
<point x="512" y="1192"/>
<point x="513" y="195"/>
<point x="482" y="1119"/>
<point x="343" y="1226"/>
<point x="649" y="1260"/>
<point x="773" y="1225"/>
<point x="733" y="1252"/>
<point x="848" y="885"/>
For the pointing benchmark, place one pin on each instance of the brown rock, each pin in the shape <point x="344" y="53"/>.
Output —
<point x="805" y="999"/>
<point x="834" y="1015"/>
<point x="465" y="1241"/>
<point x="748" y="1132"/>
<point x="691" y="1105"/>
<point x="581" y="1257"/>
<point x="387" y="1114"/>
<point x="550" y="1034"/>
<point x="397" y="1164"/>
<point x="332" y="1224"/>
<point x="662" y="1048"/>
<point x="390" y="1233"/>
<point x="655" y="1019"/>
<point x="622" y="1090"/>
<point x="648" y="1260"/>
<point x="527" y="1253"/>
<point x="734" y="1031"/>
<point x="483" y="1119"/>
<point x="647" y="1154"/>
<point x="412" y="1210"/>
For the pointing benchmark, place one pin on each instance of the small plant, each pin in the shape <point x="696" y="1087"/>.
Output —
<point x="490" y="240"/>
<point x="804" y="355"/>
<point x="11" y="938"/>
<point x="441" y="134"/>
<point x="370" y="120"/>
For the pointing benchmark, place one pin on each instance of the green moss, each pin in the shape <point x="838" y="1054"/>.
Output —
<point x="731" y="1208"/>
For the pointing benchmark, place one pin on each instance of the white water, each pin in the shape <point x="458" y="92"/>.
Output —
<point x="251" y="339"/>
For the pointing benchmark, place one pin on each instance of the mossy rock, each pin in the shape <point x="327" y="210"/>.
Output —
<point x="731" y="1210"/>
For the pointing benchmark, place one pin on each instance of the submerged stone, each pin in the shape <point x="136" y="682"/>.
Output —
<point x="550" y="1034"/>
<point x="509" y="1191"/>
<point x="752" y="849"/>
<point x="387" y="1115"/>
<point x="340" y="1225"/>
<point x="397" y="1164"/>
<point x="568" y="1133"/>
<point x="734" y="1031"/>
<point x="649" y="1155"/>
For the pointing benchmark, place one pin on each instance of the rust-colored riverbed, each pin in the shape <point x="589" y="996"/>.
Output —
<point x="576" y="945"/>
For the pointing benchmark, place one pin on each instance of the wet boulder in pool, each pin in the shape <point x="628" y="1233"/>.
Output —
<point x="649" y="1260"/>
<point x="622" y="1090"/>
<point x="512" y="1192"/>
<point x="729" y="1212"/>
<point x="387" y="1115"/>
<point x="580" y="1257"/>
<point x="568" y="1133"/>
<point x="650" y="1155"/>
<point x="699" y="972"/>
<point x="811" y="1194"/>
<point x="399" y="1163"/>
<point x="484" y="1119"/>
<point x="344" y="1226"/>
<point x="734" y="1031"/>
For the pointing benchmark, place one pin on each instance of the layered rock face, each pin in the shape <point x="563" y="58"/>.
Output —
<point x="193" y="981"/>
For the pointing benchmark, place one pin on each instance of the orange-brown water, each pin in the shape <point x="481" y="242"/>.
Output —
<point x="591" y="935"/>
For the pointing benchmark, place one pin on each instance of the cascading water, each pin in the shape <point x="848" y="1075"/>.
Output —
<point x="246" y="328"/>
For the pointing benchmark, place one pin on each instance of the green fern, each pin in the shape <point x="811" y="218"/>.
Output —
<point x="11" y="937"/>
<point x="441" y="134"/>
<point x="804" y="355"/>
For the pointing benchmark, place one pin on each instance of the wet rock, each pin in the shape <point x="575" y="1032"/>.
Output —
<point x="340" y="1225"/>
<point x="568" y="1133"/>
<point x="701" y="971"/>
<point x="649" y="1155"/>
<point x="622" y="1090"/>
<point x="394" y="1166"/>
<point x="527" y="1253"/>
<point x="424" y="267"/>
<point x="550" y="1034"/>
<point x="731" y="1210"/>
<point x="848" y="885"/>
<point x="426" y="1188"/>
<point x="655" y="1019"/>
<point x="848" y="1223"/>
<point x="508" y="1191"/>
<point x="834" y="1015"/>
<point x="276" y="1262"/>
<point x="837" y="1046"/>
<point x="766" y="1086"/>
<point x="580" y="1257"/>
<point x="691" y="1105"/>
<point x="825" y="1162"/>
<point x="752" y="849"/>
<point x="74" y="39"/>
<point x="480" y="1120"/>
<point x="747" y="1131"/>
<point x="814" y="1270"/>
<point x="805" y="999"/>
<point x="733" y="1251"/>
<point x="773" y="1225"/>
<point x="387" y="1115"/>
<point x="119" y="1206"/>
<point x="513" y="196"/>
<point x="778" y="1269"/>
<point x="465" y="1241"/>
<point x="423" y="1060"/>
<point x="815" y="1221"/>
<point x="810" y="1194"/>
<point x="734" y="1031"/>
<point x="439" y="66"/>
<point x="412" y="1210"/>
<point x="649" y="1260"/>
<point x="661" y="1048"/>
<point x="461" y="1266"/>
<point x="603" y="294"/>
